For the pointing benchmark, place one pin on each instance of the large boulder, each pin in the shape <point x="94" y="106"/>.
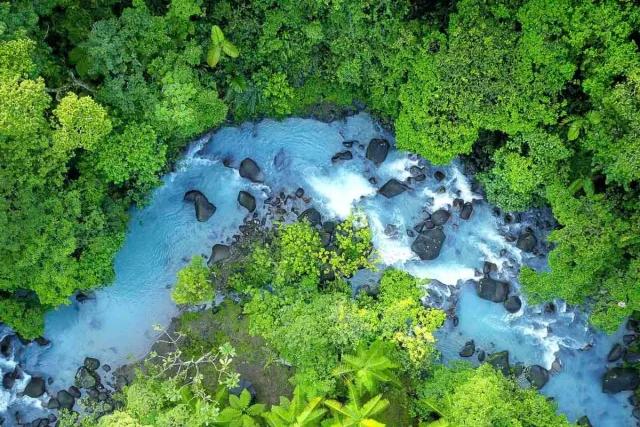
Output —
<point x="526" y="242"/>
<point x="219" y="253"/>
<point x="392" y="188"/>
<point x="250" y="170"/>
<point x="513" y="304"/>
<point x="500" y="361"/>
<point x="377" y="150"/>
<point x="204" y="208"/>
<point x="428" y="244"/>
<point x="65" y="399"/>
<point x="247" y="201"/>
<point x="312" y="215"/>
<point x="618" y="379"/>
<point x="537" y="376"/>
<point x="492" y="290"/>
<point x="85" y="378"/>
<point x="616" y="352"/>
<point x="440" y="217"/>
<point x="468" y="349"/>
<point x="35" y="388"/>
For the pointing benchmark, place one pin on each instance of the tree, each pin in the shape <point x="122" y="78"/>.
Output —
<point x="368" y="368"/>
<point x="193" y="285"/>
<point x="356" y="413"/>
<point x="297" y="412"/>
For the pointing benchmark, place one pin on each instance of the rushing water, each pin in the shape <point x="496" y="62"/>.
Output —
<point x="117" y="326"/>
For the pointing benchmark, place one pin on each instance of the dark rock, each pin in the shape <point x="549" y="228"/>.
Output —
<point x="615" y="353"/>
<point x="218" y="253"/>
<point x="312" y="215"/>
<point x="349" y="144"/>
<point x="584" y="421"/>
<point x="441" y="190"/>
<point x="373" y="180"/>
<point x="83" y="297"/>
<point x="458" y="203"/>
<point x="466" y="211"/>
<point x="439" y="175"/>
<point x="415" y="170"/>
<point x="5" y="346"/>
<point x="549" y="308"/>
<point x="377" y="150"/>
<point x="420" y="177"/>
<point x="392" y="188"/>
<point x="468" y="349"/>
<point x="40" y="422"/>
<point x="489" y="268"/>
<point x="537" y="376"/>
<point x="325" y="238"/>
<point x="636" y="413"/>
<point x="250" y="170"/>
<point x="280" y="161"/>
<point x="492" y="290"/>
<point x="526" y="241"/>
<point x="632" y="356"/>
<point x="481" y="356"/>
<point x="91" y="363"/>
<point x="204" y="208"/>
<point x="102" y="396"/>
<point x="629" y="338"/>
<point x="65" y="399"/>
<point x="247" y="201"/>
<point x="455" y="320"/>
<point x="390" y="230"/>
<point x="35" y="388"/>
<point x="9" y="379"/>
<point x="500" y="361"/>
<point x="85" y="378"/>
<point x="440" y="217"/>
<point x="329" y="226"/>
<point x="342" y="155"/>
<point x="428" y="244"/>
<point x="518" y="369"/>
<point x="299" y="192"/>
<point x="513" y="304"/>
<point x="53" y="403"/>
<point x="617" y="379"/>
<point x="74" y="391"/>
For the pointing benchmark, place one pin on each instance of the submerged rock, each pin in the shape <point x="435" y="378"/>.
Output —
<point x="468" y="349"/>
<point x="500" y="361"/>
<point x="65" y="399"/>
<point x="440" y="217"/>
<point x="615" y="353"/>
<point x="377" y="150"/>
<point x="85" y="378"/>
<point x="312" y="215"/>
<point x="219" y="253"/>
<point x="247" y="201"/>
<point x="526" y="242"/>
<point x="342" y="155"/>
<point x="204" y="208"/>
<point x="428" y="244"/>
<point x="251" y="171"/>
<point x="492" y="290"/>
<point x="537" y="376"/>
<point x="35" y="388"/>
<point x="392" y="188"/>
<point x="617" y="379"/>
<point x="513" y="304"/>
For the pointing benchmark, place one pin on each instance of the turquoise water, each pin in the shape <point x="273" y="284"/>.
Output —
<point x="117" y="326"/>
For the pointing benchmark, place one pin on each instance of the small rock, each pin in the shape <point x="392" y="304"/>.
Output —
<point x="513" y="304"/>
<point x="629" y="338"/>
<point x="489" y="268"/>
<point x="329" y="226"/>
<point x="492" y="290"/>
<point x="65" y="399"/>
<point x="373" y="180"/>
<point x="615" y="353"/>
<point x="5" y="346"/>
<point x="618" y="379"/>
<point x="481" y="356"/>
<point x="91" y="363"/>
<point x="428" y="244"/>
<point x="349" y="144"/>
<point x="584" y="421"/>
<point x="218" y="253"/>
<point x="312" y="215"/>
<point x="420" y="177"/>
<point x="500" y="361"/>
<point x="377" y="150"/>
<point x="526" y="242"/>
<point x="74" y="391"/>
<point x="247" y="201"/>
<point x="9" y="379"/>
<point x="467" y="210"/>
<point x="53" y="403"/>
<point x="35" y="388"/>
<point x="392" y="188"/>
<point x="632" y="356"/>
<point x="250" y="170"/>
<point x="537" y="376"/>
<point x="440" y="217"/>
<point x="415" y="170"/>
<point x="85" y="378"/>
<point x="549" y="308"/>
<point x="341" y="156"/>
<point x="299" y="192"/>
<point x="439" y="175"/>
<point x="468" y="349"/>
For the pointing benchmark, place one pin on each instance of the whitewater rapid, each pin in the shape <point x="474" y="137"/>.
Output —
<point x="117" y="325"/>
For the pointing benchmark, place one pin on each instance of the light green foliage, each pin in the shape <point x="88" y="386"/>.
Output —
<point x="299" y="257"/>
<point x="240" y="412"/>
<point x="356" y="412"/>
<point x="81" y="123"/>
<point x="297" y="412"/>
<point x="219" y="45"/>
<point x="22" y="316"/>
<point x="193" y="285"/>
<point x="353" y="246"/>
<point x="482" y="397"/>
<point x="369" y="368"/>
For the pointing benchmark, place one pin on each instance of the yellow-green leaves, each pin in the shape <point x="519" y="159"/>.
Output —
<point x="193" y="285"/>
<point x="82" y="123"/>
<point x="219" y="45"/>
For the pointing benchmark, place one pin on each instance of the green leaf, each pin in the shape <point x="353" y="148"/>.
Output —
<point x="213" y="56"/>
<point x="217" y="36"/>
<point x="230" y="49"/>
<point x="245" y="398"/>
<point x="574" y="130"/>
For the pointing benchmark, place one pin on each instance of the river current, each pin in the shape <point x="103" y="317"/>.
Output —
<point x="117" y="325"/>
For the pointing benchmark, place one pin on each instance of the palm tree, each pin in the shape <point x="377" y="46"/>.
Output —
<point x="240" y="412"/>
<point x="353" y="414"/>
<point x="368" y="368"/>
<point x="297" y="412"/>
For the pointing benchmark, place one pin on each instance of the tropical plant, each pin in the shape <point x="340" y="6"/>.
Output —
<point x="219" y="45"/>
<point x="240" y="412"/>
<point x="297" y="412"/>
<point x="194" y="285"/>
<point x="368" y="368"/>
<point x="355" y="413"/>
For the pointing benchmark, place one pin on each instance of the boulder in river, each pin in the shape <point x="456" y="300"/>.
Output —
<point x="377" y="150"/>
<point x="618" y="379"/>
<point x="5" y="346"/>
<point x="312" y="215"/>
<point x="251" y="171"/>
<point x="247" y="201"/>
<point x="219" y="253"/>
<point x="428" y="244"/>
<point x="204" y="208"/>
<point x="342" y="155"/>
<point x="513" y="304"/>
<point x="466" y="211"/>
<point x="500" y="361"/>
<point x="537" y="376"/>
<point x="53" y="403"/>
<point x="439" y="175"/>
<point x="584" y="421"/>
<point x="615" y="353"/>
<point x="65" y="399"/>
<point x="35" y="388"/>
<point x="91" y="363"/>
<point x="9" y="378"/>
<point x="85" y="378"/>
<point x="526" y="242"/>
<point x="468" y="349"/>
<point x="392" y="188"/>
<point x="492" y="290"/>
<point x="440" y="217"/>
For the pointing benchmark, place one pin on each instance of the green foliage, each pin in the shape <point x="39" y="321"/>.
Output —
<point x="368" y="368"/>
<point x="219" y="45"/>
<point x="297" y="412"/>
<point x="355" y="412"/>
<point x="299" y="254"/>
<point x="194" y="285"/>
<point x="240" y="412"/>
<point x="482" y="397"/>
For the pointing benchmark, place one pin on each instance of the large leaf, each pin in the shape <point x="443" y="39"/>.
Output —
<point x="213" y="56"/>
<point x="217" y="36"/>
<point x="574" y="130"/>
<point x="230" y="49"/>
